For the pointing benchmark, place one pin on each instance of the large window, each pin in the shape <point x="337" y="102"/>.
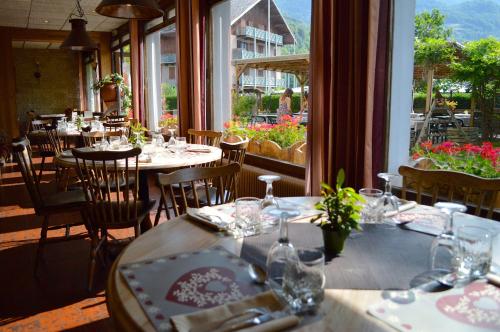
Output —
<point x="121" y="59"/>
<point x="161" y="73"/>
<point x="249" y="100"/>
<point x="91" y="76"/>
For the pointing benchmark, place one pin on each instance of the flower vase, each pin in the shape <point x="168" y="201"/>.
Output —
<point x="333" y="241"/>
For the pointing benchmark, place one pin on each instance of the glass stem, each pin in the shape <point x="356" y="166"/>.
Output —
<point x="448" y="227"/>
<point x="388" y="187"/>
<point x="269" y="190"/>
<point x="283" y="228"/>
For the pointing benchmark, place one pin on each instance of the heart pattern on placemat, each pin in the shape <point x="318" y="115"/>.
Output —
<point x="207" y="287"/>
<point x="478" y="306"/>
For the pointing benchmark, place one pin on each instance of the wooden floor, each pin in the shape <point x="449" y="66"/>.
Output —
<point x="59" y="299"/>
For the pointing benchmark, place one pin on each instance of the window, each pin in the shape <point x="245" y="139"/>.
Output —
<point x="121" y="57"/>
<point x="91" y="76"/>
<point x="161" y="72"/>
<point x="246" y="97"/>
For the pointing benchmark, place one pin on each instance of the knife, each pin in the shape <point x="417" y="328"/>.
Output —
<point x="261" y="319"/>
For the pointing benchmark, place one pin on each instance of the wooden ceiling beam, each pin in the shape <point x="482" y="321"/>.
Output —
<point x="42" y="35"/>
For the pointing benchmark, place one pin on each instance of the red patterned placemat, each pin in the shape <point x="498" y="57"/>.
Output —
<point x="188" y="282"/>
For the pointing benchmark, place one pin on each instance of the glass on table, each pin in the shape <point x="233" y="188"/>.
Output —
<point x="304" y="281"/>
<point x="372" y="211"/>
<point x="269" y="202"/>
<point x="390" y="203"/>
<point x="281" y="252"/>
<point x="114" y="142"/>
<point x="473" y="251"/>
<point x="247" y="216"/>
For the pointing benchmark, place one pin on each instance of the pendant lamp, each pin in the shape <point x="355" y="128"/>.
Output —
<point x="78" y="38"/>
<point x="138" y="9"/>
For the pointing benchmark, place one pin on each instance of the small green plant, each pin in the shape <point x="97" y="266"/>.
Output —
<point x="341" y="206"/>
<point x="118" y="80"/>
<point x="137" y="136"/>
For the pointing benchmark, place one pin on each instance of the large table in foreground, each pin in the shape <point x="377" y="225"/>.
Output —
<point x="342" y="310"/>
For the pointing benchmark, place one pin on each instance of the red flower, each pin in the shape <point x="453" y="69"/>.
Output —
<point x="416" y="155"/>
<point x="426" y="145"/>
<point x="227" y="125"/>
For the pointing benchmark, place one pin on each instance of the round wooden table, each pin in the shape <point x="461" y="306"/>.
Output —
<point x="342" y="310"/>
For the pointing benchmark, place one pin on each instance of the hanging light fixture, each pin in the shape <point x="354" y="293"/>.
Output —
<point x="138" y="9"/>
<point x="78" y="38"/>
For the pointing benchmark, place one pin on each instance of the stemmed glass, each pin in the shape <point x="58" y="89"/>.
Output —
<point x="442" y="246"/>
<point x="171" y="141"/>
<point x="282" y="251"/>
<point x="269" y="202"/>
<point x="389" y="201"/>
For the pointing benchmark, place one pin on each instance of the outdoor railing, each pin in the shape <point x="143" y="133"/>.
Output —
<point x="259" y="34"/>
<point x="261" y="81"/>
<point x="239" y="53"/>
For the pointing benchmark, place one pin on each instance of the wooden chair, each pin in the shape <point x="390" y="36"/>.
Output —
<point x="117" y="126"/>
<point x="90" y="138"/>
<point x="206" y="137"/>
<point x="233" y="152"/>
<point x="116" y="118"/>
<point x="110" y="206"/>
<point x="468" y="189"/>
<point x="222" y="178"/>
<point x="47" y="205"/>
<point x="42" y="141"/>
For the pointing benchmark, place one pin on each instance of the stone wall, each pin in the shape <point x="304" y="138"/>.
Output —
<point x="55" y="90"/>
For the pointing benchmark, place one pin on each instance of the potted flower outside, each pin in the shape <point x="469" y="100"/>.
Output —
<point x="342" y="214"/>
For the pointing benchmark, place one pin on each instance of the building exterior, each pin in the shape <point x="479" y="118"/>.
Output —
<point x="258" y="29"/>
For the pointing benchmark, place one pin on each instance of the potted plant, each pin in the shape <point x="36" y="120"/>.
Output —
<point x="107" y="87"/>
<point x="137" y="134"/>
<point x="342" y="214"/>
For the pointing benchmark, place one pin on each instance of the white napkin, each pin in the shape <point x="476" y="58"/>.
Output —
<point x="407" y="206"/>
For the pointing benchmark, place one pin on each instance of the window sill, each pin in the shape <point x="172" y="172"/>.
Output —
<point x="275" y="165"/>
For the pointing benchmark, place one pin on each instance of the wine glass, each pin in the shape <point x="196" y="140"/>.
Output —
<point x="441" y="262"/>
<point x="171" y="141"/>
<point x="282" y="251"/>
<point x="390" y="203"/>
<point x="269" y="202"/>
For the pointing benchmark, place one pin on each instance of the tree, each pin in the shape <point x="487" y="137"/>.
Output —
<point x="431" y="25"/>
<point x="431" y="46"/>
<point x="480" y="66"/>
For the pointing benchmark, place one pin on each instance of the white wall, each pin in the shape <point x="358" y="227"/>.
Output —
<point x="401" y="83"/>
<point x="221" y="66"/>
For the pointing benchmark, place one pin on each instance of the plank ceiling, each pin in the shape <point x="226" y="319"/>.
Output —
<point x="52" y="14"/>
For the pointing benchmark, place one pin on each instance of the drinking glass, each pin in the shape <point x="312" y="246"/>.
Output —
<point x="114" y="142"/>
<point x="388" y="200"/>
<point x="269" y="202"/>
<point x="304" y="280"/>
<point x="171" y="141"/>
<point x="281" y="253"/>
<point x="247" y="216"/>
<point x="473" y="251"/>
<point x="372" y="211"/>
<point x="181" y="143"/>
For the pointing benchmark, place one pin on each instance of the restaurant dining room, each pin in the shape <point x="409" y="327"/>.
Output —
<point x="227" y="165"/>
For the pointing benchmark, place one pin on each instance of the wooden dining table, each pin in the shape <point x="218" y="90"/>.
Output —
<point x="342" y="309"/>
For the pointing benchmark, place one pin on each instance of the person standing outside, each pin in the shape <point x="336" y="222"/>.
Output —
<point x="285" y="104"/>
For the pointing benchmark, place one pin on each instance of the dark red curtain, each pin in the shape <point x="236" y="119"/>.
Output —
<point x="348" y="75"/>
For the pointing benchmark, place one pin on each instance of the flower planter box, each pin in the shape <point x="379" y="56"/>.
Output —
<point x="295" y="153"/>
<point x="108" y="92"/>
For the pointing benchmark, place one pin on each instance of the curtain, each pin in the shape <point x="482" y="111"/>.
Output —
<point x="189" y="65"/>
<point x="348" y="74"/>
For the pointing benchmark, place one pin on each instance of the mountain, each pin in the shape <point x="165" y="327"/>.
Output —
<point x="299" y="10"/>
<point x="470" y="19"/>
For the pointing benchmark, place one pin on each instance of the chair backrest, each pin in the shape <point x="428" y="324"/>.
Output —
<point x="40" y="124"/>
<point x="116" y="118"/>
<point x="57" y="145"/>
<point x="222" y="178"/>
<point x="451" y="186"/>
<point x="206" y="137"/>
<point x="90" y="138"/>
<point x="115" y="126"/>
<point x="21" y="150"/>
<point x="111" y="184"/>
<point x="233" y="152"/>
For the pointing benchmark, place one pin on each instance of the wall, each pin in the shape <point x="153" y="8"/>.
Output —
<point x="58" y="86"/>
<point x="401" y="84"/>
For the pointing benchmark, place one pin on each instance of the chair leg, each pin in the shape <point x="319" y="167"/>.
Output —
<point x="66" y="234"/>
<point x="158" y="212"/>
<point x="92" y="262"/>
<point x="41" y="169"/>
<point x="41" y="242"/>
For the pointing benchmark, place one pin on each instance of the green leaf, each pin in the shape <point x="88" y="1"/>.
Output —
<point x="340" y="177"/>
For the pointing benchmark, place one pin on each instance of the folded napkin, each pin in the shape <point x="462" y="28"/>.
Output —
<point x="219" y="216"/>
<point x="202" y="150"/>
<point x="213" y="319"/>
<point x="404" y="207"/>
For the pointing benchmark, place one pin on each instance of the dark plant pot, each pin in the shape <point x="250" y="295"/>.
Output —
<point x="334" y="242"/>
<point x="108" y="92"/>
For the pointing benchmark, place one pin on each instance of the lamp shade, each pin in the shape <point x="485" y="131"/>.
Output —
<point x="138" y="9"/>
<point x="78" y="39"/>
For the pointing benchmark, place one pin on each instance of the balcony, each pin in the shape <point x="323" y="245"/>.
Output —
<point x="251" y="32"/>
<point x="249" y="80"/>
<point x="239" y="53"/>
<point x="168" y="58"/>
